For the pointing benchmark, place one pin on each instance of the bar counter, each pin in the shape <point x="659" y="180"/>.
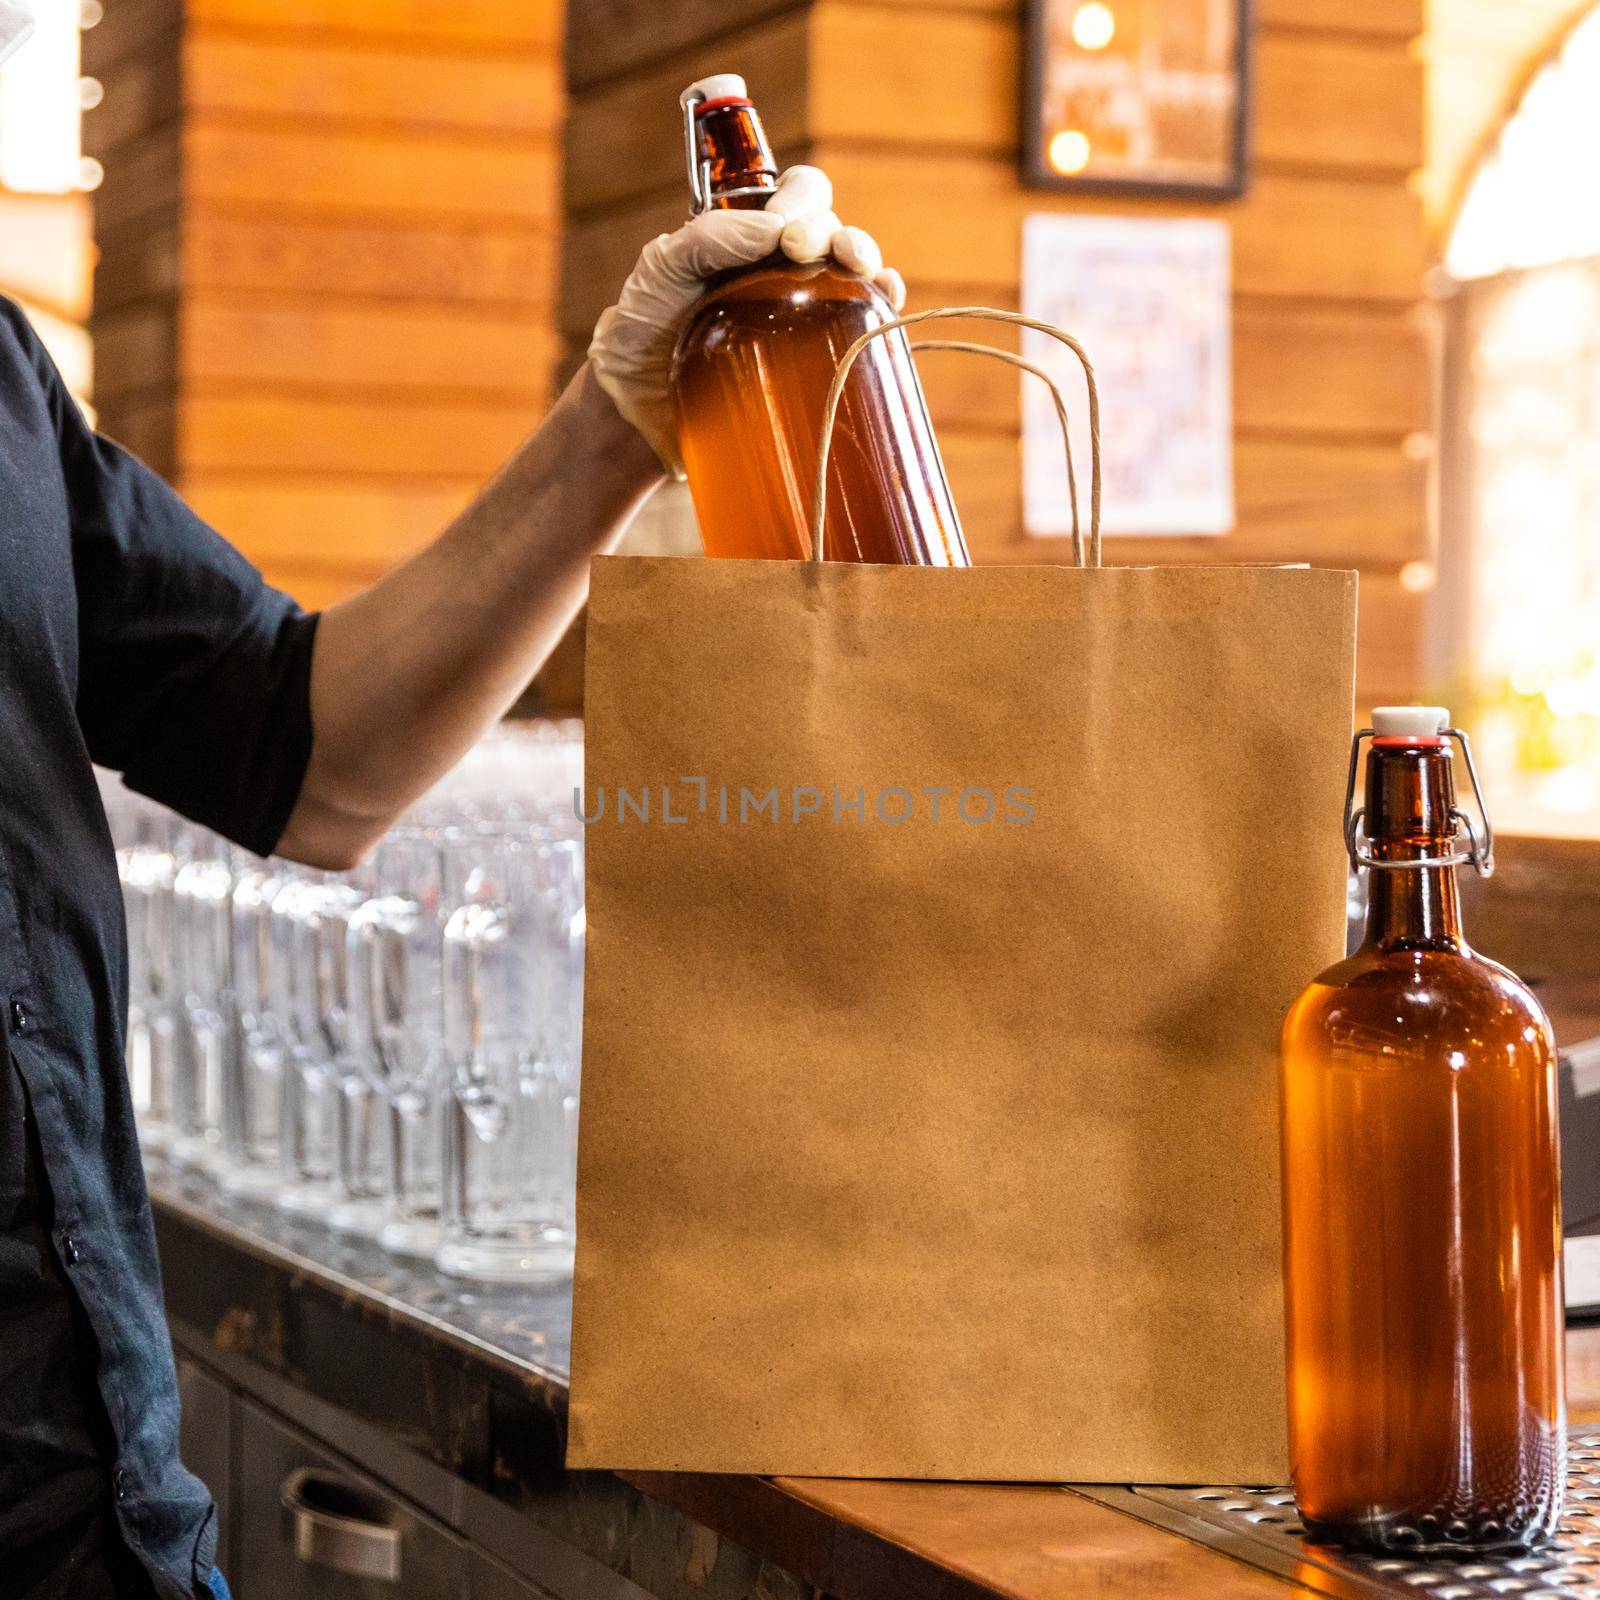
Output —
<point x="452" y="1400"/>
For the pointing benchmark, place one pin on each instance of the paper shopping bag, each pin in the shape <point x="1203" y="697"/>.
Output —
<point x="940" y="929"/>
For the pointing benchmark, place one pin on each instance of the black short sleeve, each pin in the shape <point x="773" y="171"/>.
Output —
<point x="194" y="675"/>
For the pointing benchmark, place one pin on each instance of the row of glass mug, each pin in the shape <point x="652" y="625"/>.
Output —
<point x="395" y="1050"/>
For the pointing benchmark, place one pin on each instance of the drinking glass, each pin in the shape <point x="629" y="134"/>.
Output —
<point x="252" y="1108"/>
<point x="124" y="813"/>
<point x="361" y="1165"/>
<point x="513" y="961"/>
<point x="308" y="1131"/>
<point x="149" y="869"/>
<point x="202" y="913"/>
<point x="395" y="972"/>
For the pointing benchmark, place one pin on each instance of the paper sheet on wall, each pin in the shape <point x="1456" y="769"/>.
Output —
<point x="1149" y="297"/>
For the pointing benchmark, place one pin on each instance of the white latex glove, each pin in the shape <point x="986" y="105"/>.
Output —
<point x="16" y="25"/>
<point x="633" y="341"/>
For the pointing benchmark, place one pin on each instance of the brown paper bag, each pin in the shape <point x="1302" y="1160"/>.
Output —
<point x="946" y="1147"/>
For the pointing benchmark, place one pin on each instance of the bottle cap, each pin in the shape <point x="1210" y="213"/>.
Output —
<point x="1409" y="722"/>
<point x="719" y="86"/>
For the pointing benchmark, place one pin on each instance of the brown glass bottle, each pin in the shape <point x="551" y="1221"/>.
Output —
<point x="750" y="377"/>
<point x="1422" y="1213"/>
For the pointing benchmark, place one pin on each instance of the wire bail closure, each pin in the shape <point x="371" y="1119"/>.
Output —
<point x="699" y="168"/>
<point x="1479" y="848"/>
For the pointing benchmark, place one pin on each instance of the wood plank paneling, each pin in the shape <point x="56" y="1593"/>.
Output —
<point x="274" y="75"/>
<point x="137" y="261"/>
<point x="349" y="173"/>
<point x="626" y="140"/>
<point x="1304" y="239"/>
<point x="1325" y="101"/>
<point x="263" y="343"/>
<point x="1332" y="102"/>
<point x="149" y="96"/>
<point x="280" y="516"/>
<point x="1337" y="102"/>
<point x="1394" y="19"/>
<point x="144" y="182"/>
<point x="512" y="25"/>
<point x="1389" y="631"/>
<point x="137" y="348"/>
<point x="129" y="29"/>
<point x="338" y="256"/>
<point x="1308" y="238"/>
<point x="1328" y="503"/>
<point x="1321" y="371"/>
<point x="327" y="287"/>
<point x="267" y="432"/>
<point x="607" y="38"/>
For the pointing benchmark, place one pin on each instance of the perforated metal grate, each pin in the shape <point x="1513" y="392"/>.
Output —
<point x="1260" y="1526"/>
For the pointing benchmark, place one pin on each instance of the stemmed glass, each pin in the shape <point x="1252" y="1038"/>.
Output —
<point x="361" y="1157"/>
<point x="308" y="1135"/>
<point x="252" y="1101"/>
<point x="513" y="955"/>
<point x="394" y="963"/>
<point x="148" y="872"/>
<point x="202" y="915"/>
<point x="392" y="1051"/>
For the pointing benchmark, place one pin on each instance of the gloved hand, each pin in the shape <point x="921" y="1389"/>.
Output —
<point x="632" y="346"/>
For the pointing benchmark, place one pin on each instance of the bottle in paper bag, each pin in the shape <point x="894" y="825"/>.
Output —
<point x="751" y="373"/>
<point x="1422" y="1197"/>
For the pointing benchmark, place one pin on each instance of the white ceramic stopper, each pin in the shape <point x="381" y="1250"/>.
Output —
<point x="1409" y="722"/>
<point x="719" y="86"/>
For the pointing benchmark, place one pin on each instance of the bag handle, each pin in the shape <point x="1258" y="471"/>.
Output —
<point x="847" y="361"/>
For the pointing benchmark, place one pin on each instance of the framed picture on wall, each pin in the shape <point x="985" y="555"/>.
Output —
<point x="1137" y="96"/>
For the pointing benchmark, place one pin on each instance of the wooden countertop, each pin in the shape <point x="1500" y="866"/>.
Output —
<point x="960" y="1541"/>
<point x="479" y="1389"/>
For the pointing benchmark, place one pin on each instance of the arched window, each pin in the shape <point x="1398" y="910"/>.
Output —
<point x="1520" y="463"/>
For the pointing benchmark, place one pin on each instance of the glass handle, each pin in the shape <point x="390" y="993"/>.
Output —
<point x="364" y="947"/>
<point x="471" y="935"/>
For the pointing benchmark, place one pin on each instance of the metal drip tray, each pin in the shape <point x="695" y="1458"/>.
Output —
<point x="1259" y="1526"/>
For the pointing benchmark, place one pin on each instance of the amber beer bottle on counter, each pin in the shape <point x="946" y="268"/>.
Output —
<point x="751" y="374"/>
<point x="1422" y="1207"/>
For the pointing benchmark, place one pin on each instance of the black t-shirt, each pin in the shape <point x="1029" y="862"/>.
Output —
<point x="133" y="636"/>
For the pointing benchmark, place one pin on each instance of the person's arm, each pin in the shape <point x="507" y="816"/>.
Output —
<point x="407" y="674"/>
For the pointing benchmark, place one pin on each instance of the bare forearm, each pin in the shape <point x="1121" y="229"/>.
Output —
<point x="408" y="673"/>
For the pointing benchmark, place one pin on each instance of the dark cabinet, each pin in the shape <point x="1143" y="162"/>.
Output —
<point x="309" y="1526"/>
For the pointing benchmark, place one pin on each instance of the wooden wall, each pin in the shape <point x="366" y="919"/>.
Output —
<point x="327" y="233"/>
<point x="912" y="106"/>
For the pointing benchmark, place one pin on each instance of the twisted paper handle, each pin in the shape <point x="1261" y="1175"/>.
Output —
<point x="842" y="373"/>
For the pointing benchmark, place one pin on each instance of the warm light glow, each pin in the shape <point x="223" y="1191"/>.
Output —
<point x="1522" y="500"/>
<point x="1069" y="151"/>
<point x="1524" y="207"/>
<point x="1094" y="26"/>
<point x="41" y="106"/>
<point x="1416" y="577"/>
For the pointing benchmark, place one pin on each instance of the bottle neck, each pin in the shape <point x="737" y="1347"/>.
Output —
<point x="739" y="168"/>
<point x="1410" y="801"/>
